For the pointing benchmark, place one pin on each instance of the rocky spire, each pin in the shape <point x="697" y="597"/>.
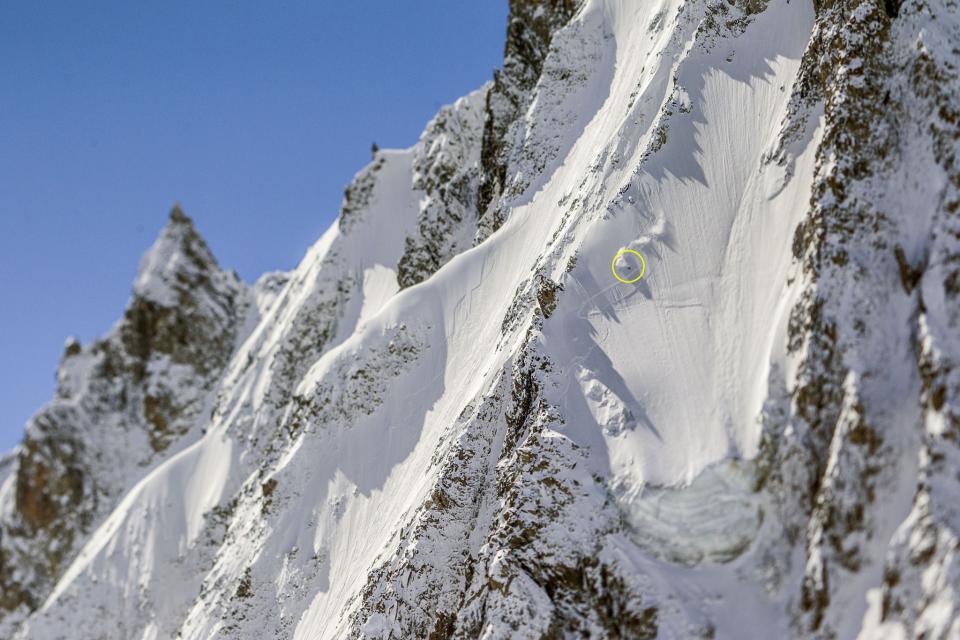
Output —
<point x="178" y="261"/>
<point x="121" y="403"/>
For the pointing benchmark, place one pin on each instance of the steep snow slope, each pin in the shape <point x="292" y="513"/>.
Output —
<point x="714" y="221"/>
<point x="419" y="438"/>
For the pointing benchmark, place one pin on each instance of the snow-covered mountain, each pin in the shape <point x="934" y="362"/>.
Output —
<point x="454" y="419"/>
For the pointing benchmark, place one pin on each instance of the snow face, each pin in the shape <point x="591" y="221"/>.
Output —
<point x="682" y="350"/>
<point x="419" y="437"/>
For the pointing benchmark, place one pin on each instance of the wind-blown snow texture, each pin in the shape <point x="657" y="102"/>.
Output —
<point x="451" y="421"/>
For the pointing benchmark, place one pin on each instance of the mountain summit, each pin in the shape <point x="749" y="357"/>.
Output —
<point x="457" y="418"/>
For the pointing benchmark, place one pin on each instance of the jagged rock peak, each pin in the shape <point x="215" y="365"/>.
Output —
<point x="177" y="216"/>
<point x="71" y="347"/>
<point x="122" y="404"/>
<point x="177" y="261"/>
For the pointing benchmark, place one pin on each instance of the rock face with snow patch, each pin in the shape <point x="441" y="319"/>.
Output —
<point x="123" y="404"/>
<point x="451" y="421"/>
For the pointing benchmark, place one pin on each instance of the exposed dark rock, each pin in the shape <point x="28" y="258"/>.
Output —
<point x="530" y="28"/>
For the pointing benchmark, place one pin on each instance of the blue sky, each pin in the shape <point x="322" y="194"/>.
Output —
<point x="253" y="115"/>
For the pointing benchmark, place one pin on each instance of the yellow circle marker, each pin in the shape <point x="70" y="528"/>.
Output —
<point x="613" y="266"/>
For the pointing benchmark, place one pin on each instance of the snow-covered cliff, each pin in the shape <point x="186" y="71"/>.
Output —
<point x="452" y="420"/>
